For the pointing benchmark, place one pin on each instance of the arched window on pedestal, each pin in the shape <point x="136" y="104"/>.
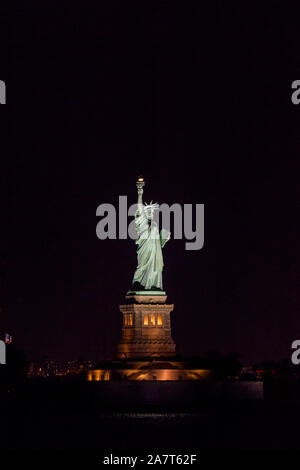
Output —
<point x="128" y="321"/>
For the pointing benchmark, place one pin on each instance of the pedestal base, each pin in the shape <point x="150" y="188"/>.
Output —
<point x="146" y="330"/>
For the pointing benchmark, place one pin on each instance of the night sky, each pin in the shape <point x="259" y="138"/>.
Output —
<point x="197" y="98"/>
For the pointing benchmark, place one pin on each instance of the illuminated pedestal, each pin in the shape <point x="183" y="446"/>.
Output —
<point x="146" y="330"/>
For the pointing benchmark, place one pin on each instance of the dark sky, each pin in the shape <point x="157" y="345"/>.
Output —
<point x="196" y="97"/>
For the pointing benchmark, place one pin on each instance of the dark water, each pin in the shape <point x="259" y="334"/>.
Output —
<point x="47" y="416"/>
<point x="243" y="427"/>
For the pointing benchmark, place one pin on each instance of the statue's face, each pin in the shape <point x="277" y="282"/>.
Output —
<point x="149" y="214"/>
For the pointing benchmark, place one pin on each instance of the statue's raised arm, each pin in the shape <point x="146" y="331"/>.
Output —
<point x="140" y="184"/>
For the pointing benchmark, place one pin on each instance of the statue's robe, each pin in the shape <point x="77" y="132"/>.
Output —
<point x="149" y="252"/>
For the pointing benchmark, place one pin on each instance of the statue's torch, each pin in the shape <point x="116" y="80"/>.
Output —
<point x="140" y="183"/>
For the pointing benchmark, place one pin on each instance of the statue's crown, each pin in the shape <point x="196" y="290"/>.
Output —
<point x="150" y="206"/>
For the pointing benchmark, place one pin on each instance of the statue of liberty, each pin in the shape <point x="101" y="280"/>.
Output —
<point x="148" y="274"/>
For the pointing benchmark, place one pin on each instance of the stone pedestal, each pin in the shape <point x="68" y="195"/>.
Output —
<point x="146" y="330"/>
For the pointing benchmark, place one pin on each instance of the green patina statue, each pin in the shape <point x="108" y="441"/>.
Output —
<point x="148" y="274"/>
